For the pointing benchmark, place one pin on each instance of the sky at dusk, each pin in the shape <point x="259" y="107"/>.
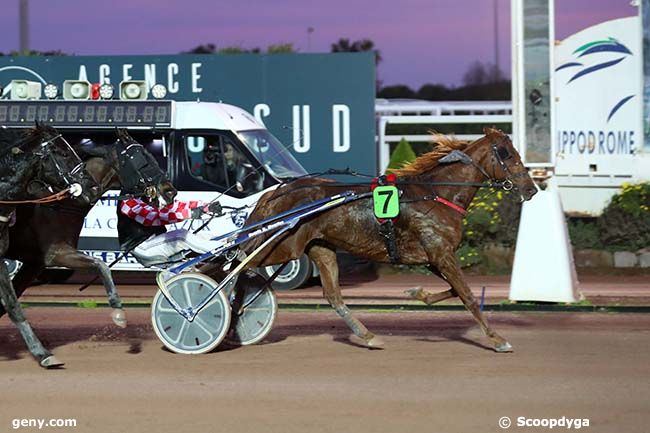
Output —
<point x="421" y="41"/>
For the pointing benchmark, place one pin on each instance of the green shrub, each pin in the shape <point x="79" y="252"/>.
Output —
<point x="402" y="154"/>
<point x="468" y="256"/>
<point x="584" y="233"/>
<point x="625" y="222"/>
<point x="493" y="217"/>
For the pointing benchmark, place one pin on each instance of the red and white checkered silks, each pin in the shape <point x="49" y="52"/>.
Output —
<point x="149" y="215"/>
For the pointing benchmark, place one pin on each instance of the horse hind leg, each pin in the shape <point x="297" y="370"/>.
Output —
<point x="429" y="298"/>
<point x="448" y="266"/>
<point x="325" y="259"/>
<point x="23" y="279"/>
<point x="17" y="316"/>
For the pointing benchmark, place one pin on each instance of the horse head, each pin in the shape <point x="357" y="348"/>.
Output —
<point x="501" y="162"/>
<point x="131" y="167"/>
<point x="492" y="158"/>
<point x="58" y="166"/>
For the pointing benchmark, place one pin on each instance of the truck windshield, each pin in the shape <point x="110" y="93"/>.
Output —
<point x="277" y="159"/>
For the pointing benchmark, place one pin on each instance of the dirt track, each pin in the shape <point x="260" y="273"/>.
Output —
<point x="435" y="375"/>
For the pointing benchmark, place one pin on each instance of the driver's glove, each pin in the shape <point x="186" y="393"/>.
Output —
<point x="197" y="212"/>
<point x="215" y="208"/>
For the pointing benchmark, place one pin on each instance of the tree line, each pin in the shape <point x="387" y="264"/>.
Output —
<point x="481" y="81"/>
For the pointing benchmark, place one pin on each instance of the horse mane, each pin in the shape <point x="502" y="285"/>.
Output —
<point x="26" y="140"/>
<point x="443" y="144"/>
<point x="17" y="157"/>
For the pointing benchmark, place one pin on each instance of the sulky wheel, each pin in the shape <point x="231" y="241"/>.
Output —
<point x="208" y="328"/>
<point x="254" y="308"/>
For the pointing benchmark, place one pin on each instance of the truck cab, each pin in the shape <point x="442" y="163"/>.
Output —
<point x="210" y="150"/>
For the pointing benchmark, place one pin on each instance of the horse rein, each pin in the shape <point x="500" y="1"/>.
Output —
<point x="73" y="188"/>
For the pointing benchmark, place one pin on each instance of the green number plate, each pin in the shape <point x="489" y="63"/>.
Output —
<point x="386" y="201"/>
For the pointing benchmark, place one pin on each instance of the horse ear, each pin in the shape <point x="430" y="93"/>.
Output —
<point x="121" y="138"/>
<point x="455" y="156"/>
<point x="492" y="130"/>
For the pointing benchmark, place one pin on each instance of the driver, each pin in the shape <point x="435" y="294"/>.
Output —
<point x="141" y="229"/>
<point x="220" y="169"/>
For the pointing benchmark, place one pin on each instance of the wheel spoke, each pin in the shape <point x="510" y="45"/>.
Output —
<point x="254" y="309"/>
<point x="181" y="333"/>
<point x="205" y="327"/>
<point x="162" y="309"/>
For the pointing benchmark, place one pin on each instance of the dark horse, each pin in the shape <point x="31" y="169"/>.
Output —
<point x="54" y="228"/>
<point x="426" y="232"/>
<point x="36" y="164"/>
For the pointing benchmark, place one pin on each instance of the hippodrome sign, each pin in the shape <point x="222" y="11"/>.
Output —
<point x="320" y="105"/>
<point x="598" y="91"/>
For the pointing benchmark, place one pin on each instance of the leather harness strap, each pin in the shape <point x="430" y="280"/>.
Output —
<point x="452" y="205"/>
<point x="387" y="226"/>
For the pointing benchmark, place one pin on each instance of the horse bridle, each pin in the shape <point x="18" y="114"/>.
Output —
<point x="499" y="155"/>
<point x="134" y="164"/>
<point x="71" y="177"/>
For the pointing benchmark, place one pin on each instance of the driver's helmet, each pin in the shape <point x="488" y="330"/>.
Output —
<point x="211" y="153"/>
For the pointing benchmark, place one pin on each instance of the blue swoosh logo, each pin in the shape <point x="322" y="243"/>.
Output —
<point x="616" y="47"/>
<point x="568" y="65"/>
<point x="619" y="105"/>
<point x="595" y="68"/>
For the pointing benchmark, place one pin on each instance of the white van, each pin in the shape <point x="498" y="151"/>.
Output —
<point x="209" y="150"/>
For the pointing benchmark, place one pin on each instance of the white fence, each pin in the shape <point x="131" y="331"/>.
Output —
<point x="415" y="112"/>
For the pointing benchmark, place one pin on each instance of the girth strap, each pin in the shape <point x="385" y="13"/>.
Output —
<point x="387" y="230"/>
<point x="387" y="226"/>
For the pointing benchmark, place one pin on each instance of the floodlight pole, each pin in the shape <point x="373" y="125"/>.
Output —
<point x="496" y="41"/>
<point x="24" y="26"/>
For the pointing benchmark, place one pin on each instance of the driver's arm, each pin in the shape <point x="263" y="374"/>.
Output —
<point x="149" y="215"/>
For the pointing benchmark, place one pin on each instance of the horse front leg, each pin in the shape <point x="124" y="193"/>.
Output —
<point x="65" y="255"/>
<point x="449" y="267"/>
<point x="325" y="259"/>
<point x="17" y="316"/>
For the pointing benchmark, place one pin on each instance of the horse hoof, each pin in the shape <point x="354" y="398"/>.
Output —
<point x="375" y="343"/>
<point x="415" y="292"/>
<point x="51" y="362"/>
<point x="119" y="317"/>
<point x="503" y="347"/>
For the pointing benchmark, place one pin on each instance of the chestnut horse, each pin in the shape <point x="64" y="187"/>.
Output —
<point x="426" y="232"/>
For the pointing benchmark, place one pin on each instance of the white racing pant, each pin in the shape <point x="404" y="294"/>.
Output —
<point x="171" y="246"/>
